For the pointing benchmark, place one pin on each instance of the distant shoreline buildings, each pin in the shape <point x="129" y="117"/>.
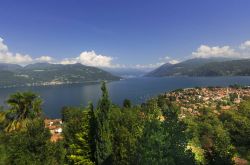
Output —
<point x="191" y="100"/>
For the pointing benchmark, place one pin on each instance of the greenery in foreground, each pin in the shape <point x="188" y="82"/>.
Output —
<point x="147" y="134"/>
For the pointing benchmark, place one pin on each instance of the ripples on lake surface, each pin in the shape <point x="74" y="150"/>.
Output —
<point x="137" y="90"/>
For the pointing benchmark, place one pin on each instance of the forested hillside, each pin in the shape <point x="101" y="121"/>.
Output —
<point x="204" y="67"/>
<point x="50" y="74"/>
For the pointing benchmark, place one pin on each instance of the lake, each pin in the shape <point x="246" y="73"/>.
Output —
<point x="137" y="90"/>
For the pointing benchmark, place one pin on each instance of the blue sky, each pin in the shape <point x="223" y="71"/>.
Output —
<point x="122" y="32"/>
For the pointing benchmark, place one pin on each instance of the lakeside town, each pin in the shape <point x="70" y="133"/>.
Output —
<point x="218" y="99"/>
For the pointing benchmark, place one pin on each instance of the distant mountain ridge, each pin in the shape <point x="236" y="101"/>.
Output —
<point x="127" y="72"/>
<point x="204" y="67"/>
<point x="9" y="67"/>
<point x="50" y="74"/>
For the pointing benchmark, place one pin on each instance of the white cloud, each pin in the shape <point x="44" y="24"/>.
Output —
<point x="152" y="66"/>
<point x="174" y="61"/>
<point x="245" y="45"/>
<point x="168" y="59"/>
<point x="91" y="59"/>
<point x="67" y="61"/>
<point x="8" y="57"/>
<point x="205" y="51"/>
<point x="3" y="47"/>
<point x="165" y="58"/>
<point x="44" y="59"/>
<point x="148" y="66"/>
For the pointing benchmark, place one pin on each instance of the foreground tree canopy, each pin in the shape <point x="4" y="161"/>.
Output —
<point x="151" y="133"/>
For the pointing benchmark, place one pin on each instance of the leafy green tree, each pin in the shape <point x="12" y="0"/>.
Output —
<point x="103" y="137"/>
<point x="232" y="96"/>
<point x="177" y="139"/>
<point x="127" y="128"/>
<point x="23" y="107"/>
<point x="77" y="136"/>
<point x="2" y="119"/>
<point x="214" y="139"/>
<point x="194" y="142"/>
<point x="237" y="122"/>
<point x="127" y="103"/>
<point x="150" y="110"/>
<point x="92" y="131"/>
<point x="164" y="140"/>
<point x="33" y="146"/>
<point x="152" y="144"/>
<point x="244" y="108"/>
<point x="3" y="146"/>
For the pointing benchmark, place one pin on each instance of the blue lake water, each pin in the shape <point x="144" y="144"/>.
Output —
<point x="137" y="90"/>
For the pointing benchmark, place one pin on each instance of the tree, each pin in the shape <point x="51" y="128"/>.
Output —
<point x="103" y="137"/>
<point x="127" y="128"/>
<point x="232" y="96"/>
<point x="237" y="122"/>
<point x="214" y="138"/>
<point x="3" y="145"/>
<point x="77" y="136"/>
<point x="152" y="144"/>
<point x="2" y="119"/>
<point x="150" y="147"/>
<point x="164" y="140"/>
<point x="33" y="146"/>
<point x="177" y="140"/>
<point x="127" y="103"/>
<point x="23" y="107"/>
<point x="92" y="131"/>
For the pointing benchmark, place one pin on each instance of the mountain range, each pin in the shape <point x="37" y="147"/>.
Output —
<point x="204" y="67"/>
<point x="13" y="75"/>
<point x="50" y="74"/>
<point x="127" y="72"/>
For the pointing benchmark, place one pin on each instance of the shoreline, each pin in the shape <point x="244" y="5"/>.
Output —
<point x="46" y="84"/>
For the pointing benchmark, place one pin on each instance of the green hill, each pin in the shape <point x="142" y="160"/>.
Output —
<point x="226" y="68"/>
<point x="204" y="67"/>
<point x="50" y="74"/>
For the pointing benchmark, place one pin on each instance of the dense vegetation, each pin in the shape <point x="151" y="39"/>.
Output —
<point x="151" y="133"/>
<point x="40" y="73"/>
<point x="204" y="67"/>
<point x="23" y="137"/>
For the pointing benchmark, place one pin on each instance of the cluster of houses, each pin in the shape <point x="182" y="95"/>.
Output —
<point x="192" y="99"/>
<point x="55" y="127"/>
